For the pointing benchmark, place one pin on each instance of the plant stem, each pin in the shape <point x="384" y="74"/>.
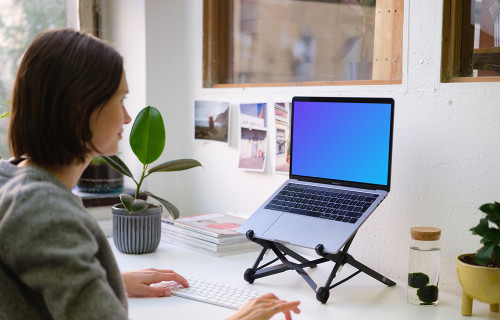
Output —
<point x="144" y="168"/>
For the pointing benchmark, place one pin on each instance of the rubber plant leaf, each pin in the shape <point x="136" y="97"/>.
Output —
<point x="147" y="137"/>
<point x="132" y="204"/>
<point x="172" y="210"/>
<point x="118" y="165"/>
<point x="175" y="165"/>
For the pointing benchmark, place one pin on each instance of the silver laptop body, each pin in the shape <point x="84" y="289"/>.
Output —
<point x="340" y="168"/>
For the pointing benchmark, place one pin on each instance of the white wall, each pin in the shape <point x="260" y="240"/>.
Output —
<point x="446" y="157"/>
<point x="124" y="27"/>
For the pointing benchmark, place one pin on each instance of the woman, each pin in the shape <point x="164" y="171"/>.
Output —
<point x="55" y="262"/>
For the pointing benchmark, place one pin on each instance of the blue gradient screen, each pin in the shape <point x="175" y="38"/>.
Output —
<point x="347" y="141"/>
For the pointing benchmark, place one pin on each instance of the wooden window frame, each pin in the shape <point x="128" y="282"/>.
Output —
<point x="387" y="56"/>
<point x="457" y="55"/>
<point x="90" y="17"/>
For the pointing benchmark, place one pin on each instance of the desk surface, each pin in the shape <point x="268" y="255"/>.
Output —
<point x="362" y="297"/>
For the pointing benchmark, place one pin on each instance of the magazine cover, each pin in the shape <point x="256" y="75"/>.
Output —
<point x="217" y="223"/>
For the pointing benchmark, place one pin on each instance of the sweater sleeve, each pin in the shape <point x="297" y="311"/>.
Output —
<point x="54" y="252"/>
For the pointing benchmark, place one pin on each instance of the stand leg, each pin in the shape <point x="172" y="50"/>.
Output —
<point x="323" y="293"/>
<point x="494" y="307"/>
<point x="372" y="273"/>
<point x="466" y="304"/>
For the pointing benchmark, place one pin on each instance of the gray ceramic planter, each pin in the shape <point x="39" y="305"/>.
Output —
<point x="136" y="233"/>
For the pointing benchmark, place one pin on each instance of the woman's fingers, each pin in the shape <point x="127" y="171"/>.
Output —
<point x="138" y="283"/>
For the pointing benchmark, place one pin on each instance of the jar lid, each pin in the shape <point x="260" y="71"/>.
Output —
<point x="425" y="233"/>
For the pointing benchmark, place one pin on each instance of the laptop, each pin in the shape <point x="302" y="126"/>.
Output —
<point x="340" y="171"/>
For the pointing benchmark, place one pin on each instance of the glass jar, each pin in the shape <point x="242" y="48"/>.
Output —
<point x="423" y="275"/>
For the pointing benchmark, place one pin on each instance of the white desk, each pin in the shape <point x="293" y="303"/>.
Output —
<point x="361" y="297"/>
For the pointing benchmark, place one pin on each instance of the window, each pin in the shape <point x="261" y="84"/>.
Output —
<point x="471" y="41"/>
<point x="20" y="22"/>
<point x="302" y="42"/>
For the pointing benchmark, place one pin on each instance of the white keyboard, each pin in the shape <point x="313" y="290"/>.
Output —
<point x="210" y="292"/>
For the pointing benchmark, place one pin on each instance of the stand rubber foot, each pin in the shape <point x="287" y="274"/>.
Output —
<point x="322" y="294"/>
<point x="249" y="275"/>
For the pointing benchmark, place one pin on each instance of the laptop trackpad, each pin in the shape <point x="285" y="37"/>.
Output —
<point x="295" y="229"/>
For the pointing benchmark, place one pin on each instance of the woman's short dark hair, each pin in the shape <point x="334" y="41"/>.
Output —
<point x="64" y="76"/>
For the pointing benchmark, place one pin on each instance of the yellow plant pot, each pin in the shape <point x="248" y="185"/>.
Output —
<point x="478" y="282"/>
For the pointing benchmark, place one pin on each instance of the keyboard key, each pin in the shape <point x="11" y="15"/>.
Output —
<point x="305" y="212"/>
<point x="353" y="214"/>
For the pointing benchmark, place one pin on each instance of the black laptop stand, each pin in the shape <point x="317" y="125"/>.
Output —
<point x="323" y="293"/>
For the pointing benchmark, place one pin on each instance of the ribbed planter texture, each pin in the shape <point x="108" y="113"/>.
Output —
<point x="139" y="232"/>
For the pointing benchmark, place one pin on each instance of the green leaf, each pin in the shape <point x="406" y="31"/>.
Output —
<point x="172" y="210"/>
<point x="127" y="201"/>
<point x="132" y="204"/>
<point x="175" y="165"/>
<point x="494" y="217"/>
<point x="489" y="208"/>
<point x="4" y="115"/>
<point x="490" y="234"/>
<point x="147" y="138"/>
<point x="496" y="252"/>
<point x="482" y="228"/>
<point x="118" y="165"/>
<point x="484" y="254"/>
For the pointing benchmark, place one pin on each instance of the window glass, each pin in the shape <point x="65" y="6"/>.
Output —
<point x="301" y="42"/>
<point x="298" y="41"/>
<point x="20" y="22"/>
<point x="471" y="41"/>
<point x="485" y="19"/>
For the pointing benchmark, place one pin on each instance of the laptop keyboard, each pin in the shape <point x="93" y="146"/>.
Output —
<point x="325" y="203"/>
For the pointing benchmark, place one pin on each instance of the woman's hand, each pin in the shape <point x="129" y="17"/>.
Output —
<point x="264" y="307"/>
<point x="137" y="283"/>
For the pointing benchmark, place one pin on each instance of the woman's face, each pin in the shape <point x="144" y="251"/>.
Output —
<point x="106" y="123"/>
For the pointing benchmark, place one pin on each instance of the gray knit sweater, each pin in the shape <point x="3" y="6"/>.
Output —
<point x="55" y="262"/>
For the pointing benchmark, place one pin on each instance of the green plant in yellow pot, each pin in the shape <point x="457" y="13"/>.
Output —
<point x="479" y="273"/>
<point x="137" y="223"/>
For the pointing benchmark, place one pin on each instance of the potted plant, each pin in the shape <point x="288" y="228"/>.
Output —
<point x="479" y="273"/>
<point x="137" y="223"/>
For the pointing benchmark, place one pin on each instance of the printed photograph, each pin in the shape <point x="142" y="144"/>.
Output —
<point x="211" y="121"/>
<point x="253" y="136"/>
<point x="282" y="124"/>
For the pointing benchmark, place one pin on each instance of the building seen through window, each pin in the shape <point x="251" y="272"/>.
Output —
<point x="471" y="40"/>
<point x="299" y="41"/>
<point x="283" y="41"/>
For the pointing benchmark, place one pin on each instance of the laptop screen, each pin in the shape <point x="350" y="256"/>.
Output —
<point x="347" y="140"/>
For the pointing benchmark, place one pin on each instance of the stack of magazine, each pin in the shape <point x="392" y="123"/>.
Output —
<point x="212" y="233"/>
